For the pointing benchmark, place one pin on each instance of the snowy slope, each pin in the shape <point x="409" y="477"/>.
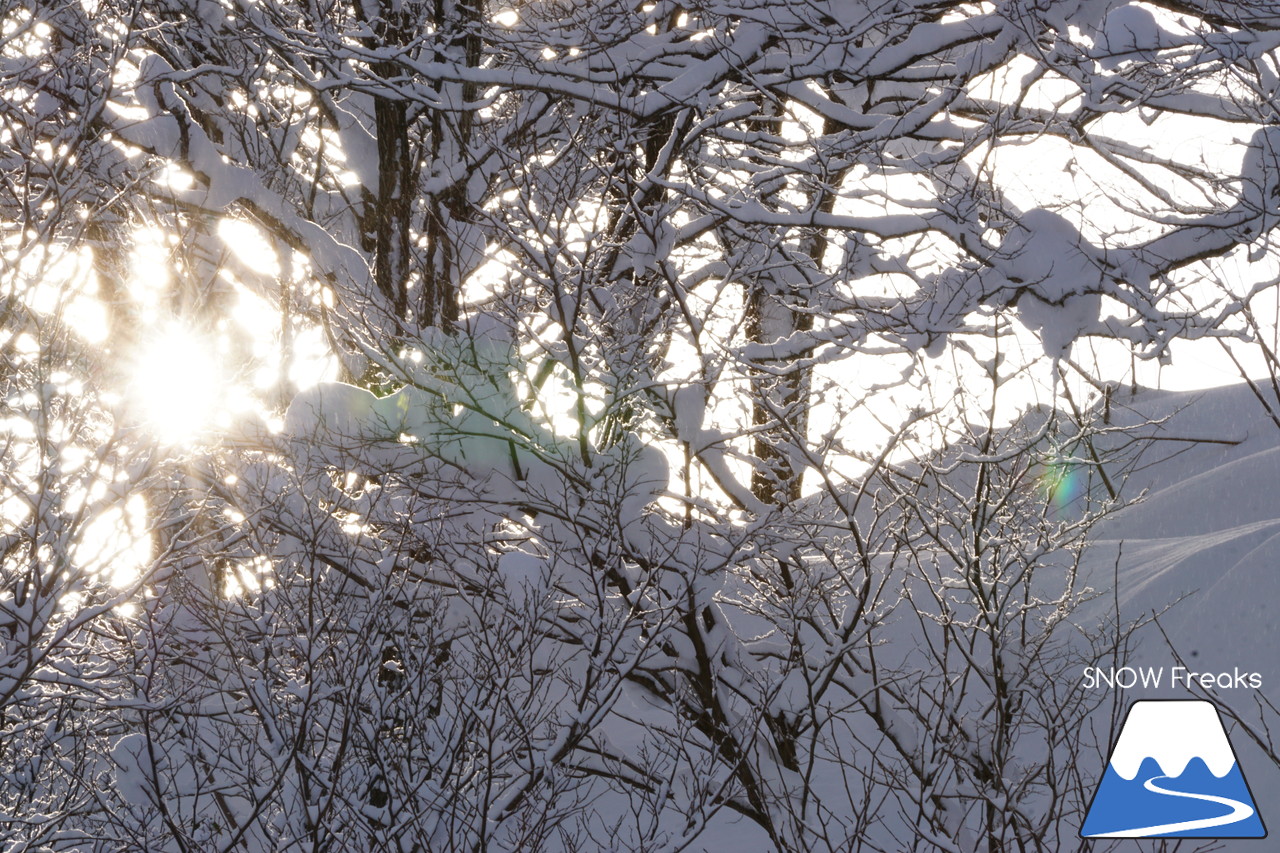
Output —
<point x="1207" y="530"/>
<point x="1202" y="549"/>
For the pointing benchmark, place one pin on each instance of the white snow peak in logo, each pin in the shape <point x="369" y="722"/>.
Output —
<point x="1173" y="774"/>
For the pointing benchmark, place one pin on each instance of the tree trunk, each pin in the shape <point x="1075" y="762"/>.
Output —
<point x="777" y="300"/>
<point x="454" y="245"/>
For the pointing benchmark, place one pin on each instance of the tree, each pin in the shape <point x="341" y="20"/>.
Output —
<point x="597" y="543"/>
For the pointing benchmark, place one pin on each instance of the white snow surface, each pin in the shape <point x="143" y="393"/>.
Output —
<point x="1199" y="553"/>
<point x="1173" y="733"/>
<point x="1201" y="547"/>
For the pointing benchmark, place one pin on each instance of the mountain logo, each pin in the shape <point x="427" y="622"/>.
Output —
<point x="1173" y="774"/>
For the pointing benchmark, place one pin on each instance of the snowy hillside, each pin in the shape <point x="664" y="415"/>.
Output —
<point x="1207" y="530"/>
<point x="1202" y="549"/>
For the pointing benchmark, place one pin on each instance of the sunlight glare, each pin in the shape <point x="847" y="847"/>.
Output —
<point x="250" y="246"/>
<point x="149" y="278"/>
<point x="115" y="544"/>
<point x="312" y="361"/>
<point x="177" y="385"/>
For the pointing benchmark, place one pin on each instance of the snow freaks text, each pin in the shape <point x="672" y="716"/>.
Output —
<point x="1155" y="677"/>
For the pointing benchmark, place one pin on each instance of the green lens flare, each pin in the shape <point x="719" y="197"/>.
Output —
<point x="1062" y="483"/>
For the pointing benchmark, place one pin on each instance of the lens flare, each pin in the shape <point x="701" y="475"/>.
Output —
<point x="1062" y="483"/>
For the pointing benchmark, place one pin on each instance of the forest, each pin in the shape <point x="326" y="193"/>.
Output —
<point x="572" y="425"/>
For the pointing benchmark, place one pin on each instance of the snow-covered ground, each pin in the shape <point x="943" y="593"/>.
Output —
<point x="1202" y="549"/>
<point x="1206" y="534"/>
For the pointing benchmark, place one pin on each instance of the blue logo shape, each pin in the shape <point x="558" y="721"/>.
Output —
<point x="1173" y="774"/>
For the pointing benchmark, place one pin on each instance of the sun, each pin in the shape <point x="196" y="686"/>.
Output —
<point x="177" y="388"/>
